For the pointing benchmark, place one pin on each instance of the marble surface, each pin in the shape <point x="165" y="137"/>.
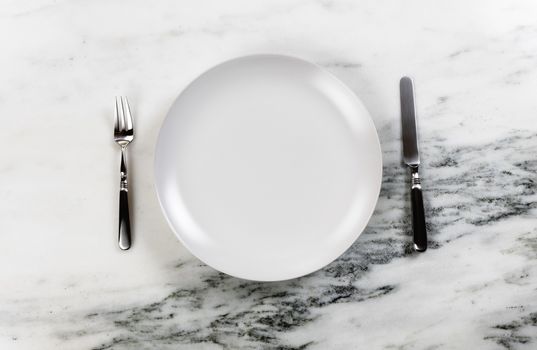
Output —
<point x="65" y="284"/>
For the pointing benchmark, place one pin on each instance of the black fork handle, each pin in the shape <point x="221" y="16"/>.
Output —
<point x="124" y="231"/>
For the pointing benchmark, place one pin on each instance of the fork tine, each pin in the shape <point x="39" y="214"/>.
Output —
<point x="121" y="113"/>
<point x="128" y="115"/>
<point x="116" y="119"/>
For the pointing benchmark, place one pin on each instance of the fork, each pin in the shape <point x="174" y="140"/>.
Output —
<point x="123" y="135"/>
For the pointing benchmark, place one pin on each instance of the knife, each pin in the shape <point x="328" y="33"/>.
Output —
<point x="411" y="158"/>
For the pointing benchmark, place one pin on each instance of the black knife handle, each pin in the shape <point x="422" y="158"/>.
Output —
<point x="418" y="213"/>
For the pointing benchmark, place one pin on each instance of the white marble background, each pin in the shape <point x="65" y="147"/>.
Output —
<point x="64" y="284"/>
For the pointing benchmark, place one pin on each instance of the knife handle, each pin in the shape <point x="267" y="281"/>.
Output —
<point x="418" y="213"/>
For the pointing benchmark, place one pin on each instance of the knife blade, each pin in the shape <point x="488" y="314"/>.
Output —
<point x="411" y="158"/>
<point x="411" y="154"/>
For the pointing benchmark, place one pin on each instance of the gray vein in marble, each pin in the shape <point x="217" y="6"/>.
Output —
<point x="341" y="64"/>
<point x="254" y="315"/>
<point x="508" y="335"/>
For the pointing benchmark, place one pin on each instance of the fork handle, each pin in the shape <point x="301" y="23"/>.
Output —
<point x="124" y="234"/>
<point x="418" y="213"/>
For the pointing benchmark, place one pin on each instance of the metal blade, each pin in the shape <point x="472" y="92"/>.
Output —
<point x="408" y="117"/>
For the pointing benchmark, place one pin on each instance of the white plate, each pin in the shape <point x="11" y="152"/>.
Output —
<point x="267" y="167"/>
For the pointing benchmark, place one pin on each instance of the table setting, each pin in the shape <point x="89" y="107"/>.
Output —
<point x="269" y="175"/>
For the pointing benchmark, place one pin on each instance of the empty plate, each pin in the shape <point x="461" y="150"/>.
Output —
<point x="267" y="167"/>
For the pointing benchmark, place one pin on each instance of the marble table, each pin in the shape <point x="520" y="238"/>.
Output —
<point x="64" y="284"/>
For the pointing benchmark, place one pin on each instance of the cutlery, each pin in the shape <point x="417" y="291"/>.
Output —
<point x="411" y="158"/>
<point x="123" y="135"/>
